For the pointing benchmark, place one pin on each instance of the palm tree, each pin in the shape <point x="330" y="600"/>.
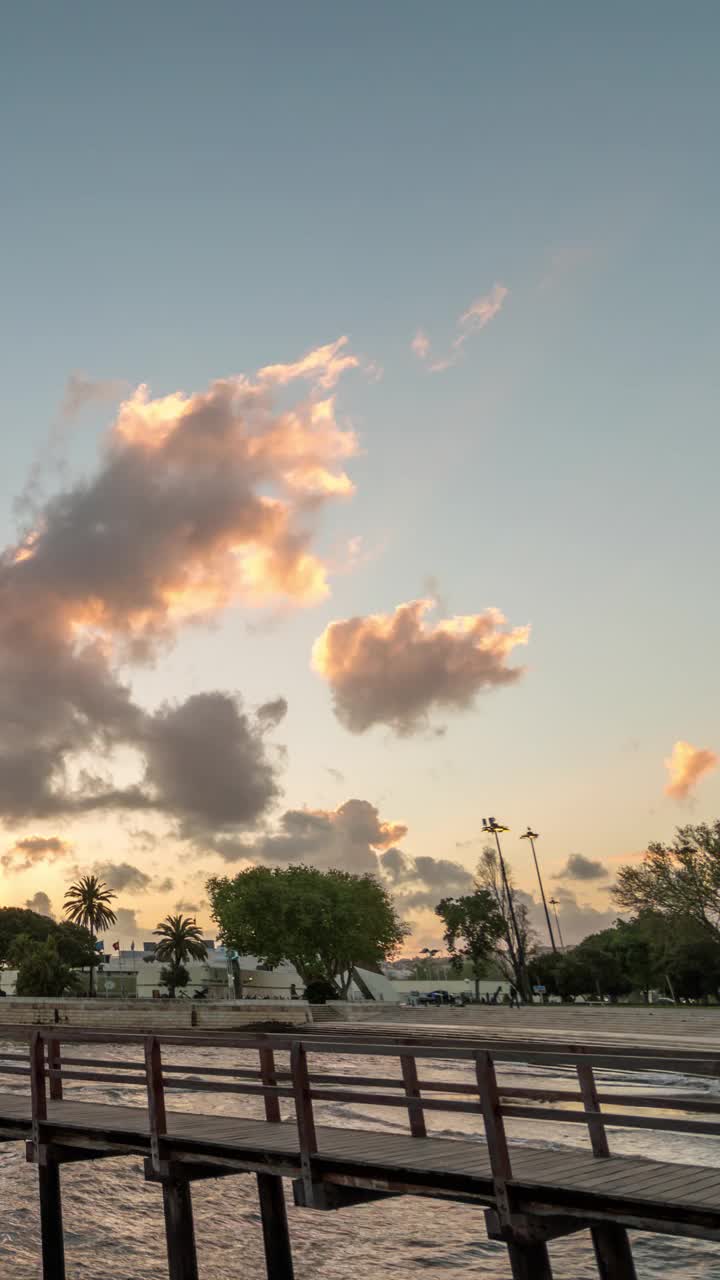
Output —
<point x="180" y="940"/>
<point x="87" y="902"/>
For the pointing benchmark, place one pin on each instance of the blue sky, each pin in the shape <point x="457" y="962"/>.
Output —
<point x="192" y="192"/>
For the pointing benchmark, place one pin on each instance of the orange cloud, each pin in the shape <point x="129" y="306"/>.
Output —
<point x="323" y="366"/>
<point x="687" y="766"/>
<point x="394" y="669"/>
<point x="478" y="315"/>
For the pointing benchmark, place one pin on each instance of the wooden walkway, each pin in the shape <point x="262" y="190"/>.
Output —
<point x="531" y="1195"/>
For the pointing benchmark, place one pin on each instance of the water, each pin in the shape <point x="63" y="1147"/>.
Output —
<point x="114" y="1225"/>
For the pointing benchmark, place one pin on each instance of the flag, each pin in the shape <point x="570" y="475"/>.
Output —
<point x="99" y="946"/>
<point x="116" y="946"/>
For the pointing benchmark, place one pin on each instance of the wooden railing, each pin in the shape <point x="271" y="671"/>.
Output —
<point x="589" y="1104"/>
<point x="292" y="1074"/>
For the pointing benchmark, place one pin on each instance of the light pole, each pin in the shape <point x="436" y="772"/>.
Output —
<point x="554" y="905"/>
<point x="532" y="836"/>
<point x="492" y="827"/>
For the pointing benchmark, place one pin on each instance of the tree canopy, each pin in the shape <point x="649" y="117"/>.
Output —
<point x="325" y="923"/>
<point x="42" y="972"/>
<point x="681" y="879"/>
<point x="637" y="955"/>
<point x="19" y="926"/>
<point x="473" y="927"/>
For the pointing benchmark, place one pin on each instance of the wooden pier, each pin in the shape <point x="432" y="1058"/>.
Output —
<point x="530" y="1195"/>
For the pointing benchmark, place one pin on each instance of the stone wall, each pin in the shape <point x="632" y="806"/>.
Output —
<point x="152" y="1015"/>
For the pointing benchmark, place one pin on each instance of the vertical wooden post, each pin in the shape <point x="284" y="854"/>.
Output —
<point x="416" y="1114"/>
<point x="591" y="1103"/>
<point x="156" y="1100"/>
<point x="179" y="1229"/>
<point x="304" y="1114"/>
<point x="55" y="1070"/>
<point x="271" y="1193"/>
<point x="51" y="1224"/>
<point x="38" y="1095"/>
<point x="276" y="1237"/>
<point x="267" y="1071"/>
<point x="613" y="1251"/>
<point x="528" y="1260"/>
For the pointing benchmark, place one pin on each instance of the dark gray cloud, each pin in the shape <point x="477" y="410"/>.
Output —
<point x="122" y="875"/>
<point x="578" y="867"/>
<point x="422" y="881"/>
<point x="396" y="669"/>
<point x="40" y="903"/>
<point x="207" y="764"/>
<point x="348" y="837"/>
<point x="126" y="923"/>
<point x="31" y="850"/>
<point x="164" y="886"/>
<point x="271" y="713"/>
<point x="577" y="919"/>
<point x="175" y="524"/>
<point x="189" y="908"/>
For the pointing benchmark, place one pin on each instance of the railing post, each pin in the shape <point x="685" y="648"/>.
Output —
<point x="51" y="1224"/>
<point x="156" y="1101"/>
<point x="416" y="1114"/>
<point x="591" y="1103"/>
<point x="613" y="1251"/>
<point x="529" y="1259"/>
<point x="177" y="1198"/>
<point x="267" y="1071"/>
<point x="55" y="1070"/>
<point x="304" y="1115"/>
<point x="271" y="1194"/>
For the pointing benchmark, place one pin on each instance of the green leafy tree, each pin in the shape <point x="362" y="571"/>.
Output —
<point x="677" y="880"/>
<point x="16" y="922"/>
<point x="181" y="940"/>
<point x="325" y="923"/>
<point x="42" y="972"/>
<point x="473" y="928"/>
<point x="87" y="903"/>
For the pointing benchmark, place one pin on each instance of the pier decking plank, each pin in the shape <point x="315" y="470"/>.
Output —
<point x="634" y="1179"/>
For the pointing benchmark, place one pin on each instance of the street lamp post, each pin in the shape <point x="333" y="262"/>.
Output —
<point x="554" y="905"/>
<point x="532" y="836"/>
<point x="494" y="828"/>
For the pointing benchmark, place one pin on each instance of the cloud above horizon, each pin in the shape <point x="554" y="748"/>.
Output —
<point x="578" y="867"/>
<point x="687" y="766"/>
<point x="396" y="669"/>
<point x="473" y="320"/>
<point x="31" y="850"/>
<point x="354" y="838"/>
<point x="198" y="502"/>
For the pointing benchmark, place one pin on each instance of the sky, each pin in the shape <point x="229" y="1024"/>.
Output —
<point x="360" y="444"/>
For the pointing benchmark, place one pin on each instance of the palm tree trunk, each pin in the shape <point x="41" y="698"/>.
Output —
<point x="92" y="966"/>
